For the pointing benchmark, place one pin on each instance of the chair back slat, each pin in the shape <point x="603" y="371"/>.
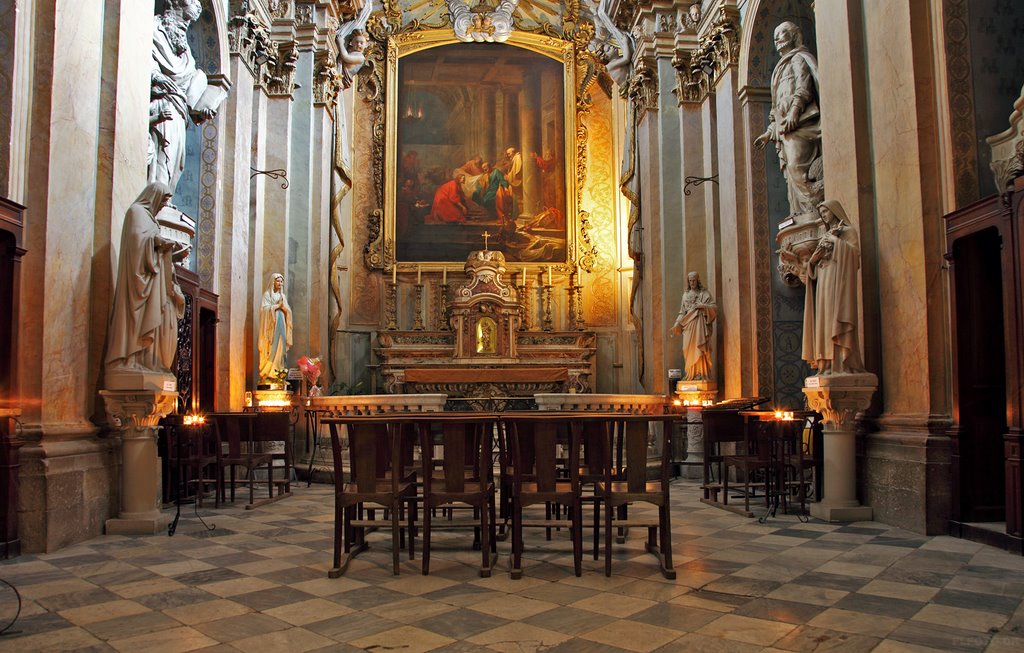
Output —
<point x="636" y="439"/>
<point x="456" y="439"/>
<point x="367" y="455"/>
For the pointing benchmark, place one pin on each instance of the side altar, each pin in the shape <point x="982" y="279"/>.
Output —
<point x="485" y="352"/>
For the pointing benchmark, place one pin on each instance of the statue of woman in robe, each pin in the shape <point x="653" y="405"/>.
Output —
<point x="696" y="313"/>
<point x="275" y="328"/>
<point x="143" y="334"/>
<point x="830" y="343"/>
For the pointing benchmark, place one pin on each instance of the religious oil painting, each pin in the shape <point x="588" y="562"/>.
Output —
<point x="480" y="145"/>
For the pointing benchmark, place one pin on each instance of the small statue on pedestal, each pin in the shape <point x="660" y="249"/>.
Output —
<point x="143" y="334"/>
<point x="275" y="336"/>
<point x="830" y="343"/>
<point x="696" y="313"/>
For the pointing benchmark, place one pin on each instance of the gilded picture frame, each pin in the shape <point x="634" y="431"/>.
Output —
<point x="481" y="138"/>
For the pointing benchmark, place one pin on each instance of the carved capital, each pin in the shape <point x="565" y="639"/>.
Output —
<point x="839" y="398"/>
<point x="138" y="411"/>
<point x="249" y="38"/>
<point x="327" y="82"/>
<point x="642" y="89"/>
<point x="692" y="85"/>
<point x="280" y="70"/>
<point x="718" y="50"/>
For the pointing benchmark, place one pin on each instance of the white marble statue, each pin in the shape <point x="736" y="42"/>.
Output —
<point x="696" y="313"/>
<point x="143" y="334"/>
<point x="795" y="120"/>
<point x="830" y="343"/>
<point x="352" y="41"/>
<point x="178" y="92"/>
<point x="275" y="337"/>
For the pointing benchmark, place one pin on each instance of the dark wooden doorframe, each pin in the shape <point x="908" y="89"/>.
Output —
<point x="1002" y="218"/>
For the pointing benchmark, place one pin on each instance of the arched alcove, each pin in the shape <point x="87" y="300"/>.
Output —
<point x="769" y="199"/>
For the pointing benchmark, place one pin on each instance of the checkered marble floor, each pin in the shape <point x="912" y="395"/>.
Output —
<point x="258" y="582"/>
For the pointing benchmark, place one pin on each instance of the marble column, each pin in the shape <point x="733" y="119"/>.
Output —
<point x="232" y="275"/>
<point x="65" y="476"/>
<point x="298" y="270"/>
<point x="649" y="152"/>
<point x="839" y="398"/>
<point x="735" y="301"/>
<point x="907" y="478"/>
<point x="136" y="413"/>
<point x="674" y="236"/>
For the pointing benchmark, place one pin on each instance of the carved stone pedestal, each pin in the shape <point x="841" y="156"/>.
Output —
<point x="137" y="414"/>
<point x="839" y="398"/>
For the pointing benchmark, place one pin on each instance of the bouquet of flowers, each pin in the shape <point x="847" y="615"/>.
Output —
<point x="311" y="369"/>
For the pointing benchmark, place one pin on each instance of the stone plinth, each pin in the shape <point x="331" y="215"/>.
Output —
<point x="273" y="399"/>
<point x="696" y="393"/>
<point x="136" y="413"/>
<point x="839" y="398"/>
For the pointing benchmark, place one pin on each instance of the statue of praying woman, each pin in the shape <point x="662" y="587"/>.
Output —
<point x="830" y="343"/>
<point x="275" y="336"/>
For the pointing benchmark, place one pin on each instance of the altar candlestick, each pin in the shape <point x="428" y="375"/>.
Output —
<point x="394" y="273"/>
<point x="444" y="276"/>
<point x="549" y="275"/>
<point x="419" y="273"/>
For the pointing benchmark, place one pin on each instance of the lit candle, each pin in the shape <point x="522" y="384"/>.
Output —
<point x="522" y="277"/>
<point x="549" y="275"/>
<point x="394" y="273"/>
<point x="778" y="414"/>
<point x="419" y="274"/>
<point x="444" y="276"/>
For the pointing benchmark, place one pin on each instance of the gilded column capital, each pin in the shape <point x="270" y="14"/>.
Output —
<point x="280" y="70"/>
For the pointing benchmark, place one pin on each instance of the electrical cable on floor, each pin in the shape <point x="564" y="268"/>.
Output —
<point x="4" y="624"/>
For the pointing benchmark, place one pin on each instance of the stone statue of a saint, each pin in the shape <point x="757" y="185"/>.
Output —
<point x="177" y="91"/>
<point x="795" y="120"/>
<point x="275" y="337"/>
<point x="143" y="333"/>
<point x="696" y="313"/>
<point x="830" y="343"/>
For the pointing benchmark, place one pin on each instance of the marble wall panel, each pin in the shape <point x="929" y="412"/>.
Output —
<point x="299" y="231"/>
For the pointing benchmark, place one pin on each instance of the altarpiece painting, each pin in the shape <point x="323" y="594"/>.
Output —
<point x="481" y="138"/>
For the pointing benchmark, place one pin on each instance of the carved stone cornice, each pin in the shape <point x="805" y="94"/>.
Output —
<point x="280" y="70"/>
<point x="642" y="89"/>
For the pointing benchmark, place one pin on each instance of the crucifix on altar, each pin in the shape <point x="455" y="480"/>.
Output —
<point x="486" y="236"/>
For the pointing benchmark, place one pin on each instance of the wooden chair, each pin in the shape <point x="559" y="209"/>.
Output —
<point x="533" y="444"/>
<point x="273" y="427"/>
<point x="722" y="424"/>
<point x="465" y="478"/>
<point x="236" y="448"/>
<point x="191" y="456"/>
<point x="635" y="487"/>
<point x="797" y="455"/>
<point x="378" y="479"/>
<point x="754" y="457"/>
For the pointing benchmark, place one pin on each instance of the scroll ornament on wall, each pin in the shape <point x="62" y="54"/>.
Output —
<point x="479" y="25"/>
